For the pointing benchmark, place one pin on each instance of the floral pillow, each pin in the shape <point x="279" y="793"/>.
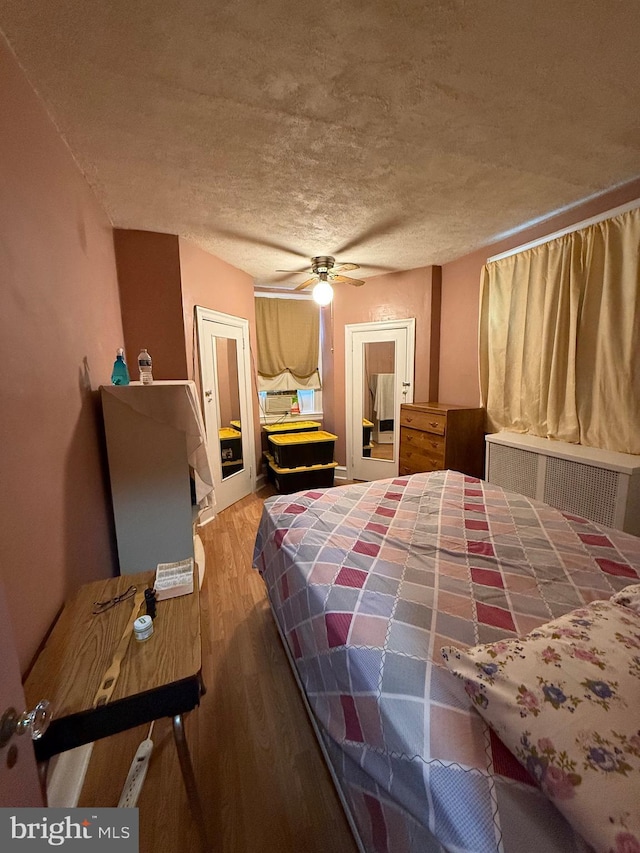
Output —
<point x="629" y="596"/>
<point x="566" y="701"/>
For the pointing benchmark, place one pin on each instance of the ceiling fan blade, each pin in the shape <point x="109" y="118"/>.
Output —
<point x="306" y="283"/>
<point x="297" y="272"/>
<point x="346" y="280"/>
<point x="345" y="267"/>
<point x="379" y="229"/>
<point x="258" y="241"/>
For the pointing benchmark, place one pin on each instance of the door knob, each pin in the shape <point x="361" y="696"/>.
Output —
<point x="34" y="722"/>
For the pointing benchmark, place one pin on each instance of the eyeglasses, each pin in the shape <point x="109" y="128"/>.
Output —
<point x="101" y="606"/>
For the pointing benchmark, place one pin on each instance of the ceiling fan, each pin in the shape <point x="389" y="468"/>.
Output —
<point x="325" y="271"/>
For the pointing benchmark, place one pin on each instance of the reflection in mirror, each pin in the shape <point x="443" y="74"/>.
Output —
<point x="228" y="406"/>
<point x="378" y="405"/>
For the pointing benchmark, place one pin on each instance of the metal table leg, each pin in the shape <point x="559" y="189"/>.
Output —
<point x="190" y="780"/>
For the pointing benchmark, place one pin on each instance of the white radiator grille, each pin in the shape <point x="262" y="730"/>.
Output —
<point x="513" y="469"/>
<point x="581" y="489"/>
<point x="597" y="484"/>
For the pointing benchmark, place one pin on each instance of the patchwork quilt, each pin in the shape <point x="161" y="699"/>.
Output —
<point x="367" y="583"/>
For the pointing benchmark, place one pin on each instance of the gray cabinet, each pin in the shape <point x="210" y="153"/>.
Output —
<point x="155" y="441"/>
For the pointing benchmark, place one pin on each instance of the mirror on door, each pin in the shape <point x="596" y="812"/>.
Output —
<point x="378" y="404"/>
<point x="230" y="432"/>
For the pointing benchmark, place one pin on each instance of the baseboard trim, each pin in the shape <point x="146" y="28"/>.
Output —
<point x="66" y="777"/>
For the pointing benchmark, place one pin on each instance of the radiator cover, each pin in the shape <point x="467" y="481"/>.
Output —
<point x="600" y="485"/>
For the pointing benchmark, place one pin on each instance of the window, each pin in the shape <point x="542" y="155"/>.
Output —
<point x="288" y="332"/>
<point x="279" y="391"/>
<point x="274" y="405"/>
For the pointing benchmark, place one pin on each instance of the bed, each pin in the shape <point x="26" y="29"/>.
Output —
<point x="367" y="584"/>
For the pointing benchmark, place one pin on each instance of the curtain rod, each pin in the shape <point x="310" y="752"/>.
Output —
<point x="600" y="217"/>
<point x="280" y="294"/>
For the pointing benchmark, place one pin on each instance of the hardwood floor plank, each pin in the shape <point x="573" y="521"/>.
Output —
<point x="261" y="776"/>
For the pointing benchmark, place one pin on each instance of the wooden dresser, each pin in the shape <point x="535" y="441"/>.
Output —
<point x="437" y="436"/>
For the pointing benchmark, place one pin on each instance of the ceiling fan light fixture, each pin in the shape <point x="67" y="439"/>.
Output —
<point x="323" y="292"/>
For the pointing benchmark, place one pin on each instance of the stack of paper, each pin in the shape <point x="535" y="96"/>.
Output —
<point x="173" y="579"/>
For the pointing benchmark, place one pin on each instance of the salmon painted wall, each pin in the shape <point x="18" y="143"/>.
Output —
<point x="459" y="379"/>
<point x="59" y="329"/>
<point x="151" y="298"/>
<point x="212" y="283"/>
<point x="395" y="296"/>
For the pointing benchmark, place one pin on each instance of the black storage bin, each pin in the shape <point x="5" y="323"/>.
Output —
<point x="302" y="449"/>
<point x="229" y="468"/>
<point x="230" y="445"/>
<point x="286" y="428"/>
<point x="288" y="480"/>
<point x="268" y="458"/>
<point x="294" y="426"/>
<point x="367" y="426"/>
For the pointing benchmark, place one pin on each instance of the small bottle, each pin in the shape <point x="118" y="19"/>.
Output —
<point x="150" y="602"/>
<point x="120" y="372"/>
<point x="144" y="364"/>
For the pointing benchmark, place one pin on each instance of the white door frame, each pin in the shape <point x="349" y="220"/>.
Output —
<point x="229" y="490"/>
<point x="403" y="391"/>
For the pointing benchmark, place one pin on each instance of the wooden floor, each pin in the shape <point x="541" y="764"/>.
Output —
<point x="262" y="778"/>
<point x="382" y="451"/>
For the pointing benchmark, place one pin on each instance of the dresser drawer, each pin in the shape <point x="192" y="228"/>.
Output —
<point x="434" y="422"/>
<point x="415" y="460"/>
<point x="423" y="442"/>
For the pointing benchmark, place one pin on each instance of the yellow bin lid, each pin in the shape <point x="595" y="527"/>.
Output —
<point x="278" y="470"/>
<point x="227" y="432"/>
<point x="303" y="438"/>
<point x="287" y="427"/>
<point x="365" y="422"/>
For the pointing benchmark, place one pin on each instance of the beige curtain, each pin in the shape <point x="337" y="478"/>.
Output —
<point x="288" y="333"/>
<point x="560" y="335"/>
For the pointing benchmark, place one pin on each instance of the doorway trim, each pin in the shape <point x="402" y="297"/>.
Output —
<point x="241" y="324"/>
<point x="350" y="330"/>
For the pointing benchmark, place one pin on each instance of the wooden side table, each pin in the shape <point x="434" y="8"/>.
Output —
<point x="160" y="677"/>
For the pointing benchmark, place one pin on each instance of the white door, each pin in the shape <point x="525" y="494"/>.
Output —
<point x="19" y="783"/>
<point x="225" y="376"/>
<point x="379" y="361"/>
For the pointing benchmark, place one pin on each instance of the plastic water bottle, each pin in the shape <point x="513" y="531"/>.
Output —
<point x="120" y="372"/>
<point x="144" y="365"/>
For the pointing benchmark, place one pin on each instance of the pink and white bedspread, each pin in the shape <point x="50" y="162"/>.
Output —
<point x="367" y="583"/>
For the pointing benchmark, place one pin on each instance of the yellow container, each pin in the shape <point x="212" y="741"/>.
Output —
<point x="300" y="449"/>
<point x="293" y="426"/>
<point x="230" y="445"/>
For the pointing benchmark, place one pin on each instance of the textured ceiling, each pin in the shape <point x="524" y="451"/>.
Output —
<point x="389" y="133"/>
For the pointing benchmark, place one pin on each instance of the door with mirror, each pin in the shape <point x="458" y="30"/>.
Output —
<point x="226" y="388"/>
<point x="379" y="378"/>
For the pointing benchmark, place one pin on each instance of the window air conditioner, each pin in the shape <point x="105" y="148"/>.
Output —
<point x="278" y="404"/>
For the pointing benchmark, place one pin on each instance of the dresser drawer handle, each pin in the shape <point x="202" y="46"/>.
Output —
<point x="434" y="423"/>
